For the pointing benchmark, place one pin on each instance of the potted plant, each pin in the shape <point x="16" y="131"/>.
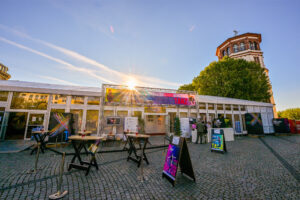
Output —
<point x="177" y="128"/>
<point x="141" y="124"/>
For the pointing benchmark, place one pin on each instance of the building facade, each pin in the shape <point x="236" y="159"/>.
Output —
<point x="3" y="72"/>
<point x="245" y="46"/>
<point x="24" y="105"/>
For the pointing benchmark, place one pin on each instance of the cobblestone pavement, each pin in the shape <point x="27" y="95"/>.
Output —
<point x="266" y="168"/>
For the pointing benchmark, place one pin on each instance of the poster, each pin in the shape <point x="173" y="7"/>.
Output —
<point x="131" y="124"/>
<point x="60" y="125"/>
<point x="185" y="127"/>
<point x="254" y="123"/>
<point x="217" y="142"/>
<point x="171" y="162"/>
<point x="142" y="96"/>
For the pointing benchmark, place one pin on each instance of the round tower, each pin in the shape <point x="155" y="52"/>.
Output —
<point x="245" y="46"/>
<point x="3" y="72"/>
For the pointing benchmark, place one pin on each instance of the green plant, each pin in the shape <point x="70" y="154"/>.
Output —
<point x="177" y="128"/>
<point x="141" y="123"/>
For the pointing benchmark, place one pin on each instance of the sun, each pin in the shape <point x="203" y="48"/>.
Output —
<point x="131" y="83"/>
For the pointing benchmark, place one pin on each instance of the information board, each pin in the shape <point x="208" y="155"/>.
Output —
<point x="185" y="127"/>
<point x="218" y="140"/>
<point x="177" y="155"/>
<point x="131" y="124"/>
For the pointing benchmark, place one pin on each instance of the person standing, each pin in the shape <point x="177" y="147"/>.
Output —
<point x="200" y="131"/>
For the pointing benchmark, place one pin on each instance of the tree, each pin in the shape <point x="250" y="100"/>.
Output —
<point x="177" y="128"/>
<point x="292" y="113"/>
<point x="234" y="78"/>
<point x="188" y="87"/>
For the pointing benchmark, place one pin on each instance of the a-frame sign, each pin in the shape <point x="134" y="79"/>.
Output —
<point x="178" y="154"/>
<point x="218" y="143"/>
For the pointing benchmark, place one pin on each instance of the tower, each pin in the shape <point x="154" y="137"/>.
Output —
<point x="3" y="72"/>
<point x="245" y="46"/>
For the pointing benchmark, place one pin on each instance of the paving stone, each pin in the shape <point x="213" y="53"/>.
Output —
<point x="252" y="169"/>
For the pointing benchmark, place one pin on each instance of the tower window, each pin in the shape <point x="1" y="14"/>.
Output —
<point x="255" y="46"/>
<point x="242" y="46"/>
<point x="228" y="51"/>
<point x="256" y="59"/>
<point x="235" y="48"/>
<point x="224" y="53"/>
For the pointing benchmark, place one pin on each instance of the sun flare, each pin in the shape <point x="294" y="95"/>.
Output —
<point x="131" y="83"/>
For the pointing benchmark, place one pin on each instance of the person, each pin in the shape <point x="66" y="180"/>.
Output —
<point x="205" y="132"/>
<point x="200" y="131"/>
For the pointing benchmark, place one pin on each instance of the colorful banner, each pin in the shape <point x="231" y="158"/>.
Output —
<point x="137" y="96"/>
<point x="171" y="162"/>
<point x="217" y="142"/>
<point x="155" y="110"/>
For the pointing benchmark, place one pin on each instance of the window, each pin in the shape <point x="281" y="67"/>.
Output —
<point x="256" y="59"/>
<point x="3" y="95"/>
<point x="77" y="116"/>
<point x="122" y="113"/>
<point x="19" y="101"/>
<point x="251" y="45"/>
<point x="59" y="99"/>
<point x="220" y="106"/>
<point x="93" y="101"/>
<point x="77" y="100"/>
<point x="255" y="46"/>
<point x="243" y="107"/>
<point x="242" y="46"/>
<point x="235" y="107"/>
<point x="224" y="53"/>
<point x="150" y="118"/>
<point x="92" y="120"/>
<point x="202" y="106"/>
<point x="211" y="106"/>
<point x="235" y="48"/>
<point x="228" y="51"/>
<point x="227" y="107"/>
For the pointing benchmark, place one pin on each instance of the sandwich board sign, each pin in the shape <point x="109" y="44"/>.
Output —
<point x="218" y="141"/>
<point x="178" y="155"/>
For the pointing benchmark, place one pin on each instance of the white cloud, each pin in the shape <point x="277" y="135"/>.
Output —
<point x="108" y="73"/>
<point x="58" y="80"/>
<point x="68" y="65"/>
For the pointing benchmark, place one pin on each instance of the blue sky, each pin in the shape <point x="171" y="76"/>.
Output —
<point x="162" y="43"/>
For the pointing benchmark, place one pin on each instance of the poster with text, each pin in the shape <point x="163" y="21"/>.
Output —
<point x="217" y="142"/>
<point x="131" y="124"/>
<point x="171" y="162"/>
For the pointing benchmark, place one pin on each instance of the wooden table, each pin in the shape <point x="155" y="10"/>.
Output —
<point x="39" y="137"/>
<point x="142" y="141"/>
<point x="78" y="143"/>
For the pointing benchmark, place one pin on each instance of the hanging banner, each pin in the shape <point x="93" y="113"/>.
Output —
<point x="137" y="96"/>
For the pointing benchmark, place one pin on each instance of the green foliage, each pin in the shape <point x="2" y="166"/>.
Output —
<point x="292" y="113"/>
<point x="177" y="128"/>
<point x="234" y="78"/>
<point x="141" y="123"/>
<point x="188" y="87"/>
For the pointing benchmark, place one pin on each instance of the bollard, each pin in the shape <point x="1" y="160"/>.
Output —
<point x="60" y="194"/>
<point x="142" y="158"/>
<point x="36" y="159"/>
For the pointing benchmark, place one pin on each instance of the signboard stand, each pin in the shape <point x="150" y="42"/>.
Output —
<point x="178" y="153"/>
<point x="218" y="143"/>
